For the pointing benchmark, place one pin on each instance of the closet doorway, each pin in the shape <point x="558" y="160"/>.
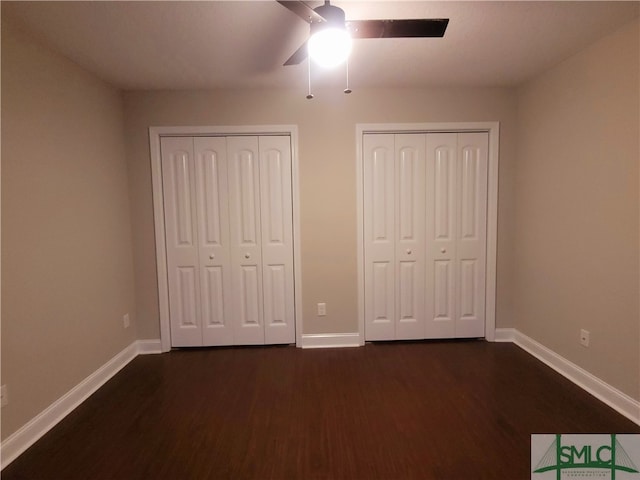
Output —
<point x="226" y="218"/>
<point x="427" y="216"/>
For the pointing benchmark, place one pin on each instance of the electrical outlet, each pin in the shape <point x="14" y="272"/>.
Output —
<point x="4" y="396"/>
<point x="584" y="337"/>
<point x="125" y="320"/>
<point x="322" y="309"/>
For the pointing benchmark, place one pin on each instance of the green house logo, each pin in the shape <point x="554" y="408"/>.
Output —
<point x="585" y="456"/>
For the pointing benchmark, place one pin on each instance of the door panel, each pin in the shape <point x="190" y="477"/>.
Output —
<point x="245" y="172"/>
<point x="249" y="315"/>
<point x="213" y="302"/>
<point x="442" y="192"/>
<point x="277" y="239"/>
<point x="407" y="301"/>
<point x="181" y="240"/>
<point x="443" y="286"/>
<point x="186" y="298"/>
<point x="468" y="287"/>
<point x="441" y="234"/>
<point x="210" y="166"/>
<point x="468" y="193"/>
<point x="275" y="297"/>
<point x="382" y="289"/>
<point x="379" y="236"/>
<point x="410" y="236"/>
<point x="180" y="166"/>
<point x="213" y="228"/>
<point x="246" y="257"/>
<point x="472" y="234"/>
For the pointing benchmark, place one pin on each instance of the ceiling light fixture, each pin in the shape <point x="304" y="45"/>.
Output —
<point x="330" y="47"/>
<point x="330" y="43"/>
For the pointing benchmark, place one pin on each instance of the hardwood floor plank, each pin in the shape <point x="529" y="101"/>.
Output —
<point x="429" y="410"/>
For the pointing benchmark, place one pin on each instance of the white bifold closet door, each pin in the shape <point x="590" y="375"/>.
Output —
<point x="229" y="237"/>
<point x="425" y="203"/>
<point x="394" y="226"/>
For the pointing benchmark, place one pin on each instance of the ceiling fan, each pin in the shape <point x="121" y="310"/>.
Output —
<point x="328" y="16"/>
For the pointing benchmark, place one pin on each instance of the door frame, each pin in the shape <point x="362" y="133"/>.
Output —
<point x="155" y="134"/>
<point x="493" y="129"/>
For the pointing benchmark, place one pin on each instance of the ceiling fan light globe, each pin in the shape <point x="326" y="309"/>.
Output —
<point x="330" y="47"/>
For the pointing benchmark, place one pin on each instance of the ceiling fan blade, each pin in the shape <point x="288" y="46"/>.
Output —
<point x="427" y="27"/>
<point x="298" y="56"/>
<point x="302" y="10"/>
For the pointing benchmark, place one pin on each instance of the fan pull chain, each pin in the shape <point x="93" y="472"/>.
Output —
<point x="309" y="95"/>
<point x="347" y="90"/>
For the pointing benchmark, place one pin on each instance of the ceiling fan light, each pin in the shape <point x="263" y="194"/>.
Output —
<point x="330" y="47"/>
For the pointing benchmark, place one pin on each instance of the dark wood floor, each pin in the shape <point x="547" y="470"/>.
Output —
<point x="433" y="410"/>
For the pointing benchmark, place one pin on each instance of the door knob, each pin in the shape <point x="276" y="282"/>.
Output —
<point x="443" y="250"/>
<point x="246" y="255"/>
<point x="408" y="251"/>
<point x="212" y="256"/>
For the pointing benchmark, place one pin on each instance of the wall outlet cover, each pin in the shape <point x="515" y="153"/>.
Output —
<point x="584" y="337"/>
<point x="4" y="395"/>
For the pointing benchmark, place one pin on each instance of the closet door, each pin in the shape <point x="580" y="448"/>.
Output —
<point x="394" y="176"/>
<point x="456" y="234"/>
<point x="213" y="240"/>
<point x="471" y="222"/>
<point x="409" y="236"/>
<point x="441" y="234"/>
<point x="379" y="236"/>
<point x="229" y="237"/>
<point x="246" y="242"/>
<point x="178" y="180"/>
<point x="425" y="212"/>
<point x="276" y="218"/>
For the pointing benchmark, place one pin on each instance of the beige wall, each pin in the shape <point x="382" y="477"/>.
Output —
<point x="576" y="193"/>
<point x="327" y="143"/>
<point x="67" y="275"/>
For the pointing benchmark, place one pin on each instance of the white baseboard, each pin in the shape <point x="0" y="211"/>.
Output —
<point x="19" y="441"/>
<point x="330" y="340"/>
<point x="504" y="335"/>
<point x="146" y="347"/>
<point x="619" y="401"/>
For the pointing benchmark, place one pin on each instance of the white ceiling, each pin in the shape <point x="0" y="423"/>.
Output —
<point x="242" y="44"/>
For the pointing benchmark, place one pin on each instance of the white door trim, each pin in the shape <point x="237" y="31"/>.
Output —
<point x="493" y="129"/>
<point x="155" y="133"/>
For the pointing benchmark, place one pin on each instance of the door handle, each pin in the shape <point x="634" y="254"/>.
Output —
<point x="246" y="255"/>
